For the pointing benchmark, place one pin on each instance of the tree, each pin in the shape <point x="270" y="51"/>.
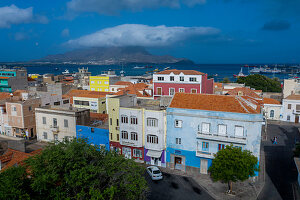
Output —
<point x="233" y="164"/>
<point x="225" y="80"/>
<point x="77" y="170"/>
<point x="260" y="82"/>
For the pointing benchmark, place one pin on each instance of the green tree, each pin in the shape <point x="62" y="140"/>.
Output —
<point x="260" y="82"/>
<point x="77" y="170"/>
<point x="233" y="164"/>
<point x="225" y="80"/>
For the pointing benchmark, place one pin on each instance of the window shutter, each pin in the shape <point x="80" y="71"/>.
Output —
<point x="239" y="131"/>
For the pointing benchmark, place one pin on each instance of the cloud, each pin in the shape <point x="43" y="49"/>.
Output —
<point x="20" y="36"/>
<point x="111" y="7"/>
<point x="65" y="32"/>
<point x="276" y="25"/>
<point x="10" y="15"/>
<point x="141" y="35"/>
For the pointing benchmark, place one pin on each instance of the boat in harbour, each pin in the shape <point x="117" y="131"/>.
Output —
<point x="240" y="74"/>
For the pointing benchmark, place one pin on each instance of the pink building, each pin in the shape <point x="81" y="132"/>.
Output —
<point x="168" y="82"/>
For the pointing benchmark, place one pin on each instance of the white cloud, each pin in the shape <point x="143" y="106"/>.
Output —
<point x="109" y="7"/>
<point x="65" y="32"/>
<point x="13" y="15"/>
<point x="141" y="35"/>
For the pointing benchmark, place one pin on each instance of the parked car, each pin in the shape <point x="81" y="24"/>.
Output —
<point x="154" y="173"/>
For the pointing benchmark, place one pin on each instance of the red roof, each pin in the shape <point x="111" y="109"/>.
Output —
<point x="14" y="157"/>
<point x="86" y="93"/>
<point x="123" y="83"/>
<point x="270" y="101"/>
<point x="243" y="91"/>
<point x="177" y="72"/>
<point x="210" y="102"/>
<point x="4" y="95"/>
<point x="137" y="89"/>
<point x="98" y="116"/>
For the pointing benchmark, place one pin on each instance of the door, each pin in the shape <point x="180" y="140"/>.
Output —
<point x="159" y="91"/>
<point x="203" y="166"/>
<point x="297" y="119"/>
<point x="178" y="163"/>
<point x="127" y="152"/>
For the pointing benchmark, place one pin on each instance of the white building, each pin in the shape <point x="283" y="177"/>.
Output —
<point x="291" y="108"/>
<point x="58" y="123"/>
<point x="291" y="86"/>
<point x="272" y="109"/>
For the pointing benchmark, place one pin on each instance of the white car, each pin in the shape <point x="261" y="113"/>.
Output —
<point x="154" y="173"/>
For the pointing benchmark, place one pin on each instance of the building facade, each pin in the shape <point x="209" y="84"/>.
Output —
<point x="59" y="123"/>
<point x="168" y="82"/>
<point x="272" y="109"/>
<point x="13" y="79"/>
<point x="198" y="126"/>
<point x="291" y="108"/>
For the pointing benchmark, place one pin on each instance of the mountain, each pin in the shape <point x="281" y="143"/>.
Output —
<point x="113" y="55"/>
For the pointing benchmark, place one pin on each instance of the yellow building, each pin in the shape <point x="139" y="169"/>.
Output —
<point x="99" y="83"/>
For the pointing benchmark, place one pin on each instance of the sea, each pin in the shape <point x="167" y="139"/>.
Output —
<point x="218" y="71"/>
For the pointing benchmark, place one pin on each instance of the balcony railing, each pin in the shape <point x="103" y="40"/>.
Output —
<point x="221" y="137"/>
<point x="204" y="154"/>
<point x="54" y="129"/>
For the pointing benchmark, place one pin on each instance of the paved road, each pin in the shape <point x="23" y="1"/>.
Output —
<point x="175" y="187"/>
<point x="280" y="168"/>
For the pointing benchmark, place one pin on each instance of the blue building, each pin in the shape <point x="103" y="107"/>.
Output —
<point x="199" y="125"/>
<point x="95" y="136"/>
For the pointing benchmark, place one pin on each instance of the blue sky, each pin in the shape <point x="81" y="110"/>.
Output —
<point x="205" y="31"/>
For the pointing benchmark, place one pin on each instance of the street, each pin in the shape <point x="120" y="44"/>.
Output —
<point x="175" y="187"/>
<point x="281" y="172"/>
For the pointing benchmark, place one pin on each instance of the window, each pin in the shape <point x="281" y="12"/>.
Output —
<point x="171" y="78"/>
<point x="181" y="78"/>
<point x="17" y="130"/>
<point x="124" y="119"/>
<point x="92" y="82"/>
<point x="171" y="91"/>
<point x="153" y="139"/>
<point x="103" y="102"/>
<point x="55" y="137"/>
<point x="66" y="123"/>
<point x="205" y="146"/>
<point x="133" y="120"/>
<point x="137" y="153"/>
<point x="289" y="106"/>
<point x="272" y="113"/>
<point x="297" y="107"/>
<point x="178" y="140"/>
<point x="288" y="118"/>
<point x="124" y="135"/>
<point x="221" y="146"/>
<point x="44" y="120"/>
<point x="193" y="91"/>
<point x="106" y="90"/>
<point x="54" y="122"/>
<point x="14" y="108"/>
<point x="205" y="128"/>
<point x="160" y="78"/>
<point x="134" y="136"/>
<point x="159" y="91"/>
<point x="45" y="136"/>
<point x="29" y="108"/>
<point x="110" y="136"/>
<point x="152" y="122"/>
<point x="57" y="103"/>
<point x="178" y="123"/>
<point x="106" y="82"/>
<point x="117" y="122"/>
<point x="118" y="137"/>
<point x="239" y="131"/>
<point x="222" y="129"/>
<point x="66" y="101"/>
<point x="193" y="79"/>
<point x="181" y="89"/>
<point x="110" y="121"/>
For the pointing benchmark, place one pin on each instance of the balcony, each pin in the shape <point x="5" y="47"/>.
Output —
<point x="296" y="112"/>
<point x="117" y="128"/>
<point x="205" y="154"/>
<point x="221" y="138"/>
<point x="54" y="129"/>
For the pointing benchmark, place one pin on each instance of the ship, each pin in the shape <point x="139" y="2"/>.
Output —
<point x="240" y="74"/>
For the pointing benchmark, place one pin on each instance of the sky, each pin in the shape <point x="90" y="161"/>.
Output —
<point x="205" y="31"/>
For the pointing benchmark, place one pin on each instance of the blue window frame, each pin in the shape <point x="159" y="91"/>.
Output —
<point x="205" y="146"/>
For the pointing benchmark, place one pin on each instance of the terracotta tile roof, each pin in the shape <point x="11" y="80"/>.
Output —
<point x="185" y="72"/>
<point x="270" y="101"/>
<point x="293" y="97"/>
<point x="137" y="89"/>
<point x="19" y="92"/>
<point x="243" y="91"/>
<point x="4" y="95"/>
<point x="123" y="83"/>
<point x="210" y="102"/>
<point x="218" y="85"/>
<point x="86" y="93"/>
<point x="14" y="157"/>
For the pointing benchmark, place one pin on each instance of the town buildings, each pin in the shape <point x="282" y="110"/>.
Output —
<point x="55" y="123"/>
<point x="272" y="109"/>
<point x="102" y="82"/>
<point x="200" y="125"/>
<point x="291" y="86"/>
<point x="168" y="82"/>
<point x="13" y="79"/>
<point x="291" y="108"/>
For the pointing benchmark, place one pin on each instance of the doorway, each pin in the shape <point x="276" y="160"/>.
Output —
<point x="297" y="119"/>
<point x="203" y="166"/>
<point x="178" y="163"/>
<point x="127" y="152"/>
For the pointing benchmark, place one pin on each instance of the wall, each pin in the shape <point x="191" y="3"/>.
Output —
<point x="98" y="137"/>
<point x="289" y="112"/>
<point x="277" y="111"/>
<point x="289" y="87"/>
<point x="99" y="83"/>
<point x="97" y="105"/>
<point x="165" y="87"/>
